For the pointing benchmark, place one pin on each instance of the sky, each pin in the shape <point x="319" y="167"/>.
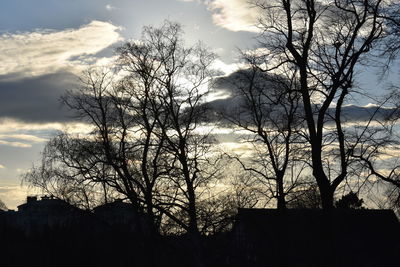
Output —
<point x="46" y="44"/>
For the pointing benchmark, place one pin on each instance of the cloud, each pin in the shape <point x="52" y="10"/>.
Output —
<point x="14" y="133"/>
<point x="36" y="99"/>
<point x="10" y="126"/>
<point x="224" y="67"/>
<point x="37" y="68"/>
<point x="46" y="51"/>
<point x="110" y="7"/>
<point x="354" y="113"/>
<point x="15" y="144"/>
<point x="231" y="102"/>
<point x="234" y="15"/>
<point x="13" y="195"/>
<point x="5" y="189"/>
<point x="20" y="140"/>
<point x="24" y="137"/>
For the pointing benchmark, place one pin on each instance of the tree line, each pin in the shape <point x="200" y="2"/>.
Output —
<point x="150" y="121"/>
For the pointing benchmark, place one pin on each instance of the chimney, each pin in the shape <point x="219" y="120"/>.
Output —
<point x="31" y="199"/>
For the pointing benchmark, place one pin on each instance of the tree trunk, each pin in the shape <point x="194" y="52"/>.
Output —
<point x="326" y="193"/>
<point x="324" y="185"/>
<point x="281" y="202"/>
<point x="150" y="217"/>
<point x="193" y="228"/>
<point x="281" y="205"/>
<point x="195" y="237"/>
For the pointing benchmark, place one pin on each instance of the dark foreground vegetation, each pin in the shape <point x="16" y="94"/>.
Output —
<point x="53" y="233"/>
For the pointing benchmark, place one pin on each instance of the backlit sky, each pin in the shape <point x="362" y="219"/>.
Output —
<point x="44" y="44"/>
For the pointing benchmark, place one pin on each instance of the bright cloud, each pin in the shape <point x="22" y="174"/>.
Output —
<point x="7" y="126"/>
<point x="234" y="15"/>
<point x="14" y="195"/>
<point x="15" y="133"/>
<point x="15" y="144"/>
<point x="25" y="137"/>
<point x="20" y="140"/>
<point x="110" y="7"/>
<point x="226" y="68"/>
<point x="244" y="149"/>
<point x="40" y="52"/>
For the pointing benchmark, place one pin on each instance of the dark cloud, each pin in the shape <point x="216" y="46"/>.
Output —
<point x="351" y="113"/>
<point x="354" y="113"/>
<point x="230" y="84"/>
<point x="36" y="99"/>
<point x="234" y="102"/>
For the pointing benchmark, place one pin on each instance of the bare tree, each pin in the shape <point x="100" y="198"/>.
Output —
<point x="144" y="143"/>
<point x="391" y="15"/>
<point x="393" y="195"/>
<point x="244" y="190"/>
<point x="324" y="42"/>
<point x="307" y="197"/>
<point x="177" y="80"/>
<point x="180" y="78"/>
<point x="65" y="172"/>
<point x="122" y="154"/>
<point x="376" y="147"/>
<point x="234" y="188"/>
<point x="269" y="111"/>
<point x="3" y="206"/>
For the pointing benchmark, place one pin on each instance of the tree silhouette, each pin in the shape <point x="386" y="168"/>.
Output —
<point x="307" y="198"/>
<point x="3" y="206"/>
<point x="323" y="43"/>
<point x="349" y="201"/>
<point x="392" y="17"/>
<point x="144" y="144"/>
<point x="268" y="109"/>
